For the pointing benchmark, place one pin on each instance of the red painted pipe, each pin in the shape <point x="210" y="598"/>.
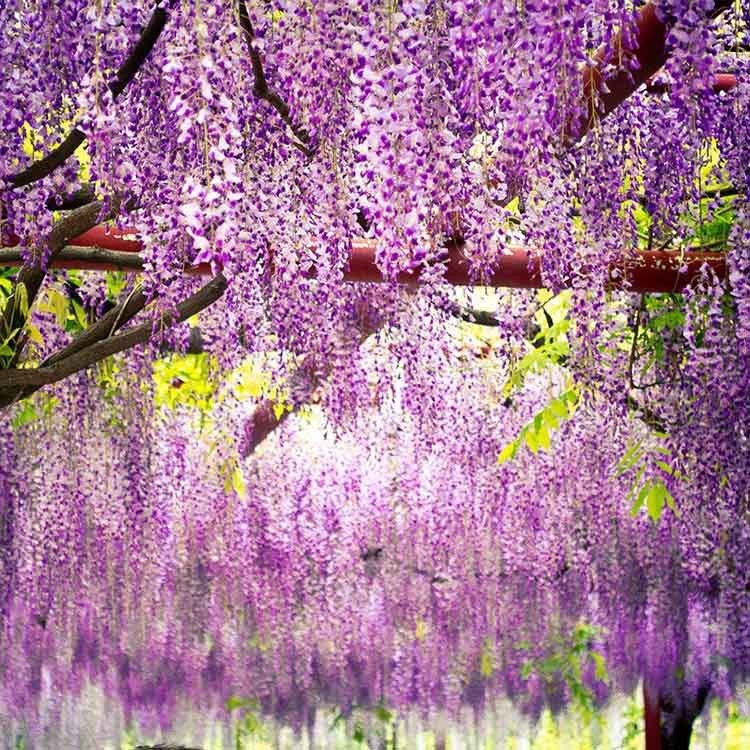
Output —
<point x="651" y="271"/>
<point x="644" y="271"/>
<point x="124" y="240"/>
<point x="649" y="50"/>
<point x="725" y="82"/>
<point x="722" y="82"/>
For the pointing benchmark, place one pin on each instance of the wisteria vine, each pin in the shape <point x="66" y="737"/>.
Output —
<point x="338" y="531"/>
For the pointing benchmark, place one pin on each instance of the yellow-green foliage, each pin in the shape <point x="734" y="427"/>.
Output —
<point x="250" y="380"/>
<point x="550" y="346"/>
<point x="536" y="433"/>
<point x="184" y="380"/>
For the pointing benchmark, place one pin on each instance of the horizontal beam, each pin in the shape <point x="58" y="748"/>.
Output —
<point x="722" y="82"/>
<point x="103" y="249"/>
<point x="644" y="271"/>
<point x="725" y="82"/>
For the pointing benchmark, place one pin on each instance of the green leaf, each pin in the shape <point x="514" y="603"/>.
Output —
<point x="536" y="433"/>
<point x="79" y="314"/>
<point x="542" y="436"/>
<point x="26" y="414"/>
<point x="116" y="281"/>
<point x="672" y="319"/>
<point x="638" y="504"/>
<point x="486" y="662"/>
<point x="238" y="482"/>
<point x="570" y="398"/>
<point x="508" y="452"/>
<point x="655" y="500"/>
<point x="252" y="723"/>
<point x="550" y="420"/>
<point x="665" y="467"/>
<point x="559" y="408"/>
<point x="531" y="441"/>
<point x="11" y="335"/>
<point x="57" y="304"/>
<point x="553" y="331"/>
<point x="634" y="488"/>
<point x="236" y="702"/>
<point x="22" y="299"/>
<point x="671" y="504"/>
<point x="628" y="461"/>
<point x="35" y="335"/>
<point x="600" y="667"/>
<point x="383" y="714"/>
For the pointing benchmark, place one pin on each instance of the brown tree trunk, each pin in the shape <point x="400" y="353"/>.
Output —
<point x="678" y="717"/>
<point x="651" y="718"/>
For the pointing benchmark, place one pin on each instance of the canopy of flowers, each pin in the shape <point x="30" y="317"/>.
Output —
<point x="307" y="490"/>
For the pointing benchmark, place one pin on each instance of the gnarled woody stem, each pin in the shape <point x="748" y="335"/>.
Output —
<point x="127" y="71"/>
<point x="86" y="357"/>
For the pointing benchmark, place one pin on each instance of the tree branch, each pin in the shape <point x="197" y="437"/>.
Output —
<point x="85" y="358"/>
<point x="68" y="202"/>
<point x="646" y="415"/>
<point x="262" y="90"/>
<point x="110" y="323"/>
<point x="634" y="346"/>
<point x="118" y="260"/>
<point x="32" y="274"/>
<point x="140" y="52"/>
<point x="477" y="317"/>
<point x="42" y="168"/>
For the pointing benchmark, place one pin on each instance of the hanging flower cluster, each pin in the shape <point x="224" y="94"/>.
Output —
<point x="371" y="551"/>
<point x="384" y="557"/>
<point x="264" y="140"/>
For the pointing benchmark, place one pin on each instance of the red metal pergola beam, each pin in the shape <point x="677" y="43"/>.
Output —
<point x="725" y="82"/>
<point x="643" y="271"/>
<point x="650" y="52"/>
<point x="722" y="82"/>
<point x="652" y="271"/>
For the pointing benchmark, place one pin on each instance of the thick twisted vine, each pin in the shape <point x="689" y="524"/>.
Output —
<point x="262" y="90"/>
<point x="125" y="74"/>
<point x="80" y="357"/>
<point x="32" y="274"/>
